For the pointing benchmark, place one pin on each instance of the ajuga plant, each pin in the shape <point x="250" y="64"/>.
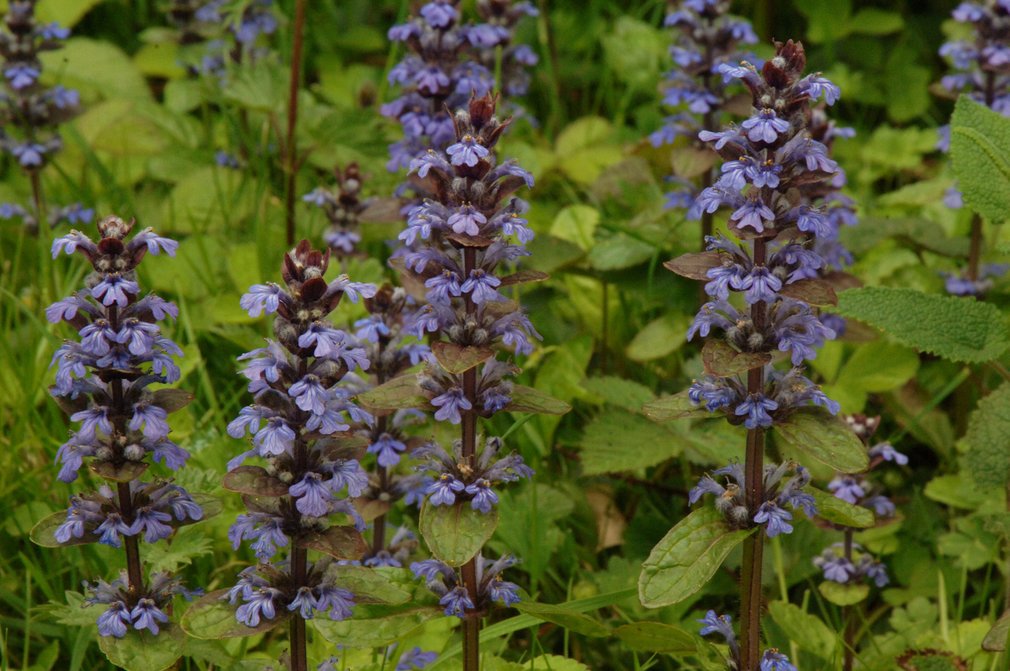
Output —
<point x="343" y="205"/>
<point x="772" y="168"/>
<point x="981" y="67"/>
<point x="390" y="351"/>
<point x="446" y="63"/>
<point x="847" y="562"/>
<point x="460" y="239"/>
<point x="699" y="89"/>
<point x="104" y="380"/>
<point x="30" y="112"/>
<point x="509" y="62"/>
<point x="299" y="422"/>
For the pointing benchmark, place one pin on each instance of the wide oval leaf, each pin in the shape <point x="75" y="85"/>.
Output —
<point x="457" y="359"/>
<point x="143" y="651"/>
<point x="677" y="406"/>
<point x="456" y="533"/>
<point x="397" y="394"/>
<point x="210" y="618"/>
<point x="375" y="626"/>
<point x="684" y="560"/>
<point x="342" y="542"/>
<point x="837" y="511"/>
<point x="824" y="438"/>
<point x="44" y="532"/>
<point x="560" y="615"/>
<point x="528" y="399"/>
<point x="657" y="637"/>
<point x="722" y="360"/>
<point x="125" y="472"/>
<point x="253" y="480"/>
<point x="844" y="595"/>
<point x="384" y="584"/>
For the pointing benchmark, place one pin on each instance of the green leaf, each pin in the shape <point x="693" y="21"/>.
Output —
<point x="844" y="595"/>
<point x="261" y="87"/>
<point x="143" y="651"/>
<point x="255" y="481"/>
<point x="64" y="12"/>
<point x="825" y="438"/>
<point x="374" y="626"/>
<point x="577" y="224"/>
<point x="399" y="393"/>
<point x="130" y="470"/>
<point x="185" y="546"/>
<point x="995" y="640"/>
<point x="805" y="629"/>
<point x="619" y="391"/>
<point x="44" y="533"/>
<point x="340" y="542"/>
<point x="606" y="441"/>
<point x="620" y="251"/>
<point x="957" y="491"/>
<point x="659" y="338"/>
<point x="456" y="533"/>
<point x="528" y="399"/>
<point x="677" y="406"/>
<point x="564" y="617"/>
<point x="814" y="292"/>
<point x="211" y="618"/>
<point x="980" y="150"/>
<point x="657" y="637"/>
<point x="722" y="360"/>
<point x="878" y="367"/>
<point x="211" y="199"/>
<point x="988" y="457"/>
<point x="686" y="558"/>
<point x="837" y="511"/>
<point x="384" y="584"/>
<point x="457" y="359"/>
<point x="98" y="69"/>
<point x="694" y="265"/>
<point x="958" y="329"/>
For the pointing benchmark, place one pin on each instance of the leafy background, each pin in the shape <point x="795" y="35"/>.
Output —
<point x="610" y="482"/>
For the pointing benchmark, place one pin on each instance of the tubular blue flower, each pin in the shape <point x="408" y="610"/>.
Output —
<point x="260" y="604"/>
<point x="468" y="151"/>
<point x="456" y="601"/>
<point x="775" y="519"/>
<point x="754" y="215"/>
<point x="443" y="491"/>
<point x="115" y="620"/>
<point x="449" y="405"/>
<point x="147" y="615"/>
<point x="756" y="408"/>
<point x="717" y="624"/>
<point x="313" y="496"/>
<point x="773" y="660"/>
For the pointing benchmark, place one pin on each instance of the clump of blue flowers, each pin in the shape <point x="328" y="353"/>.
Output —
<point x="453" y="595"/>
<point x="981" y="70"/>
<point x="771" y="659"/>
<point x="216" y="32"/>
<point x="342" y="204"/>
<point x="707" y="41"/>
<point x="449" y="60"/>
<point x="30" y="112"/>
<point x="300" y="422"/>
<point x="104" y="381"/>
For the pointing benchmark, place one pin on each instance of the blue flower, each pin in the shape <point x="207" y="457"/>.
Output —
<point x="147" y="615"/>
<point x="756" y="407"/>
<point x="765" y="126"/>
<point x="115" y="289"/>
<point x="260" y="297"/>
<point x="415" y="659"/>
<point x="773" y="660"/>
<point x="481" y="286"/>
<point x="449" y="405"/>
<point x="339" y="602"/>
<point x="466" y="220"/>
<point x="21" y="76"/>
<point x="439" y="14"/>
<point x="152" y="418"/>
<point x="467" y="151"/>
<point x="718" y="624"/>
<point x="443" y="490"/>
<point x="111" y="529"/>
<point x="753" y="214"/>
<point x="847" y="488"/>
<point x="456" y="601"/>
<point x="152" y="523"/>
<point x="260" y="604"/>
<point x="760" y="285"/>
<point x="115" y="620"/>
<point x="312" y="494"/>
<point x="29" y="154"/>
<point x="387" y="449"/>
<point x="776" y="519"/>
<point x="275" y="438"/>
<point x="484" y="497"/>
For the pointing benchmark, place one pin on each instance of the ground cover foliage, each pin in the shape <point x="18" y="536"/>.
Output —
<point x="520" y="415"/>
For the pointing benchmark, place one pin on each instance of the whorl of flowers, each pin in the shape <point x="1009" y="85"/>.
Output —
<point x="779" y="491"/>
<point x="447" y="61"/>
<point x="443" y="580"/>
<point x="707" y="41"/>
<point x="837" y="563"/>
<point x="981" y="70"/>
<point x="299" y="422"/>
<point x="414" y="659"/>
<point x="30" y="113"/>
<point x="342" y="204"/>
<point x="200" y="23"/>
<point x="500" y="19"/>
<point x="103" y="381"/>
<point x="773" y="167"/>
<point x="771" y="659"/>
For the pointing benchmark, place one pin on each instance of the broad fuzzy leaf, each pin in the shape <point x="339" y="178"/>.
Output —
<point x="397" y="394"/>
<point x="528" y="399"/>
<point x="814" y="292"/>
<point x="686" y="558"/>
<point x="210" y="618"/>
<point x="988" y="439"/>
<point x="824" y="438"/>
<point x="457" y="359"/>
<point x="253" y="480"/>
<point x="722" y="360"/>
<point x="456" y="533"/>
<point x="958" y="329"/>
<point x="694" y="265"/>
<point x="564" y="617"/>
<point x="806" y="629"/>
<point x="617" y="441"/>
<point x="837" y="511"/>
<point x="980" y="149"/>
<point x="143" y="651"/>
<point x="337" y="542"/>
<point x="844" y="595"/>
<point x="677" y="406"/>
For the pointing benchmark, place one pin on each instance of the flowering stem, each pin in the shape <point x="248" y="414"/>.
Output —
<point x="299" y="571"/>
<point x="753" y="549"/>
<point x="471" y="619"/>
<point x="133" y="567"/>
<point x="848" y="614"/>
<point x="289" y="145"/>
